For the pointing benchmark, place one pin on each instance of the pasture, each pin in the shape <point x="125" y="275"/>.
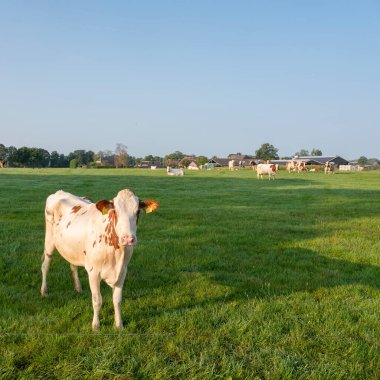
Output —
<point x="232" y="278"/>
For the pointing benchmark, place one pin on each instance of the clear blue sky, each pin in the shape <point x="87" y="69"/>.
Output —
<point x="200" y="76"/>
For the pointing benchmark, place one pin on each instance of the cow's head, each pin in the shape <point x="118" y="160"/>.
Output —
<point x="123" y="214"/>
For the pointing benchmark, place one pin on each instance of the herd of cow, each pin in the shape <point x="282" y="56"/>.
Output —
<point x="295" y="166"/>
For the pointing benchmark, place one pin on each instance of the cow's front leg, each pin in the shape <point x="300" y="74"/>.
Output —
<point x="117" y="293"/>
<point x="94" y="280"/>
<point x="117" y="297"/>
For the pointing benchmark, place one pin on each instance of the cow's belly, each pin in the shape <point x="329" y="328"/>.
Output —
<point x="73" y="253"/>
<point x="71" y="244"/>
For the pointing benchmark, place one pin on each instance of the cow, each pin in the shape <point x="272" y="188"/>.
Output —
<point x="97" y="236"/>
<point x="175" y="172"/>
<point x="269" y="169"/>
<point x="329" y="167"/>
<point x="231" y="164"/>
<point x="296" y="166"/>
<point x="290" y="166"/>
<point x="301" y="167"/>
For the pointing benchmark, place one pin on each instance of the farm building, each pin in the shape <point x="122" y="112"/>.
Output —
<point x="321" y="160"/>
<point x="218" y="162"/>
<point x="223" y="162"/>
<point x="278" y="162"/>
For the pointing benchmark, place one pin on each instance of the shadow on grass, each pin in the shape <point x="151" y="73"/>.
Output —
<point x="293" y="270"/>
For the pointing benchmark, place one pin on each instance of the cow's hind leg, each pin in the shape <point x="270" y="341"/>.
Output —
<point x="49" y="248"/>
<point x="46" y="260"/>
<point x="77" y="284"/>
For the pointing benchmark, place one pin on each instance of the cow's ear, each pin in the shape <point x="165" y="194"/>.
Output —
<point x="104" y="206"/>
<point x="148" y="206"/>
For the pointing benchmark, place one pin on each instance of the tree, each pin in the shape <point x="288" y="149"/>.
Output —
<point x="54" y="159"/>
<point x="132" y="161"/>
<point x="302" y="152"/>
<point x="201" y="160"/>
<point x="316" y="152"/>
<point x="121" y="156"/>
<point x="3" y="155"/>
<point x="23" y="156"/>
<point x="363" y="160"/>
<point x="73" y="163"/>
<point x="83" y="157"/>
<point x="38" y="158"/>
<point x="11" y="157"/>
<point x="185" y="163"/>
<point x="77" y="155"/>
<point x="177" y="155"/>
<point x="149" y="158"/>
<point x="63" y="161"/>
<point x="267" y="152"/>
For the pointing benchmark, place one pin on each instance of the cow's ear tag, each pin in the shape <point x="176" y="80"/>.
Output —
<point x="104" y="206"/>
<point x="149" y="206"/>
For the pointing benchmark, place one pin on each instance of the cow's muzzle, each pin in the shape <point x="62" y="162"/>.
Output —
<point x="128" y="240"/>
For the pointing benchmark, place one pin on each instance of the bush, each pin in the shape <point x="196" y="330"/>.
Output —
<point x="73" y="163"/>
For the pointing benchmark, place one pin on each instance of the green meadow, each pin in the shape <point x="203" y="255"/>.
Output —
<point x="232" y="278"/>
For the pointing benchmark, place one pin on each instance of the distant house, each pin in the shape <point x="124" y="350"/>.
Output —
<point x="173" y="163"/>
<point x="187" y="159"/>
<point x="149" y="164"/>
<point x="321" y="160"/>
<point x="108" y="161"/>
<point x="193" y="166"/>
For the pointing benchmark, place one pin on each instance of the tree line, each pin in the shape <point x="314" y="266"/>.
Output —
<point x="40" y="158"/>
<point x="119" y="158"/>
<point x="27" y="157"/>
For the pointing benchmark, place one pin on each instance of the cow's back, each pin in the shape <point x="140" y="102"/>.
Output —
<point x="60" y="204"/>
<point x="67" y="223"/>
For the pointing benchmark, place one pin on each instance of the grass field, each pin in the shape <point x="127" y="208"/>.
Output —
<point x="233" y="278"/>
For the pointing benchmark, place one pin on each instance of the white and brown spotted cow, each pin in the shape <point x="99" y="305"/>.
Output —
<point x="269" y="169"/>
<point x="98" y="236"/>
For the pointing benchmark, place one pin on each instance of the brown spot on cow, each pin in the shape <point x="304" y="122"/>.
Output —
<point x="94" y="243"/>
<point x="75" y="209"/>
<point x="68" y="224"/>
<point x="110" y="233"/>
<point x="84" y="252"/>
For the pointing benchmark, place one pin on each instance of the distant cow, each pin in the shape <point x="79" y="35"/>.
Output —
<point x="98" y="236"/>
<point x="269" y="169"/>
<point x="175" y="172"/>
<point x="296" y="166"/>
<point x="301" y="167"/>
<point x="329" y="167"/>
